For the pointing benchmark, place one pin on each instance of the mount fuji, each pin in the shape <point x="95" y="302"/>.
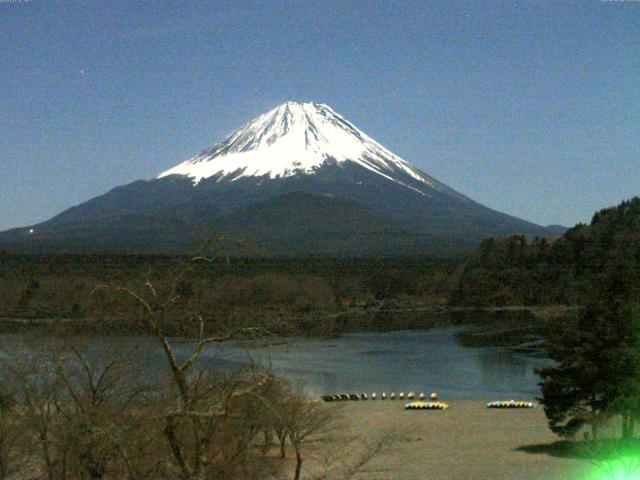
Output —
<point x="297" y="180"/>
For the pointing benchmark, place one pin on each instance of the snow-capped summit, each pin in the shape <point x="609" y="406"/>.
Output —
<point x="297" y="138"/>
<point x="297" y="180"/>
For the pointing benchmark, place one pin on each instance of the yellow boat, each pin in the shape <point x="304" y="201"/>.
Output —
<point x="426" y="406"/>
<point x="511" y="404"/>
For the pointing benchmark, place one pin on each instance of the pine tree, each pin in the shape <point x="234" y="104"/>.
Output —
<point x="597" y="372"/>
<point x="627" y="402"/>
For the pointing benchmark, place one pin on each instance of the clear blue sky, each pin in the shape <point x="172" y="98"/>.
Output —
<point x="532" y="108"/>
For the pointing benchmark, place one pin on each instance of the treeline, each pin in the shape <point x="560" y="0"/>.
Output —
<point x="572" y="269"/>
<point x="75" y="410"/>
<point x="595" y="380"/>
<point x="568" y="270"/>
<point x="277" y="292"/>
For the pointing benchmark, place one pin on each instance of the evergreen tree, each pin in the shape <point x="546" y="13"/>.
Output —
<point x="597" y="372"/>
<point x="627" y="370"/>
<point x="597" y="260"/>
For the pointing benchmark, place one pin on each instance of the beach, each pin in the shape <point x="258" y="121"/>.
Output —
<point x="467" y="441"/>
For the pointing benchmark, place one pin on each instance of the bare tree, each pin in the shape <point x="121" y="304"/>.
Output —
<point x="96" y="397"/>
<point x="345" y="456"/>
<point x="81" y="414"/>
<point x="86" y="414"/>
<point x="11" y="458"/>
<point x="309" y="423"/>
<point x="277" y="400"/>
<point x="39" y="392"/>
<point x="198" y="409"/>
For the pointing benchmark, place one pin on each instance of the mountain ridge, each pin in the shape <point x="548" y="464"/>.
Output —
<point x="296" y="147"/>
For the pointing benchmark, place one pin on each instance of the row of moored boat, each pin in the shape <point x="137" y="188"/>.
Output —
<point x="426" y="406"/>
<point x="374" y="396"/>
<point x="510" y="404"/>
<point x="421" y="404"/>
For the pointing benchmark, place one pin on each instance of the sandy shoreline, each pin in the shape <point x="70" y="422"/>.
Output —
<point x="468" y="441"/>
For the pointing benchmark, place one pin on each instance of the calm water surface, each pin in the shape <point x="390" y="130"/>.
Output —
<point x="429" y="360"/>
<point x="418" y="360"/>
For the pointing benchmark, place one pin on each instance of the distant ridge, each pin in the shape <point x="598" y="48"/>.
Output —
<point x="302" y="166"/>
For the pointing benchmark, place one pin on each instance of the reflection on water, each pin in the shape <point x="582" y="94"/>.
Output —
<point x="429" y="360"/>
<point x="418" y="360"/>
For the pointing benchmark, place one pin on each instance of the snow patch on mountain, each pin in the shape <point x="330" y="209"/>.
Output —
<point x="297" y="138"/>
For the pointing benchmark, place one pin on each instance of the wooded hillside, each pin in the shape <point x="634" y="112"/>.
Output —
<point x="602" y="258"/>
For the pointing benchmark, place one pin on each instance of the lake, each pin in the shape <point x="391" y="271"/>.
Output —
<point x="427" y="361"/>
